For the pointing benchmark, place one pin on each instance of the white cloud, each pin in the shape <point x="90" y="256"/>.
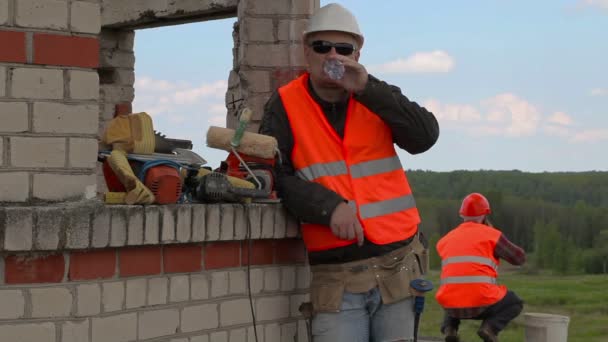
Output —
<point x="594" y="3"/>
<point x="503" y="114"/>
<point x="560" y="118"/>
<point x="591" y="135"/>
<point x="557" y="131"/>
<point x="437" y="61"/>
<point x="184" y="111"/>
<point x="599" y="91"/>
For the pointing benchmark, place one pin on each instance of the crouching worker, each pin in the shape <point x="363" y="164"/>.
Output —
<point x="470" y="256"/>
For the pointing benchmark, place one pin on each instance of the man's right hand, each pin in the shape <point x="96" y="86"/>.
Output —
<point x="345" y="224"/>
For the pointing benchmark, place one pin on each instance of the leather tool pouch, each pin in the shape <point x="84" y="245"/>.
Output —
<point x="326" y="290"/>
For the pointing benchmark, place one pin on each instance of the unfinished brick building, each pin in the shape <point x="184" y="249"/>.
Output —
<point x="73" y="269"/>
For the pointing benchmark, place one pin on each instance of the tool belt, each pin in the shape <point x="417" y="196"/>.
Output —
<point x="391" y="273"/>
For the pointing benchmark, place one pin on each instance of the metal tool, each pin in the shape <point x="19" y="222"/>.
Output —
<point x="421" y="286"/>
<point x="215" y="187"/>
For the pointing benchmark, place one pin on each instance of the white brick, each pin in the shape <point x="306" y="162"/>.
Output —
<point x="258" y="80"/>
<point x="89" y="300"/>
<point x="101" y="228"/>
<point x="51" y="302"/>
<point x="179" y="340"/>
<point x="3" y="21"/>
<point x="303" y="275"/>
<point x="302" y="331"/>
<point x="268" y="7"/>
<point x="48" y="14"/>
<point x="14" y="186"/>
<point x="289" y="331"/>
<point x="233" y="312"/>
<point x="213" y="222"/>
<point x="198" y="223"/>
<point x="158" y="323"/>
<point x="113" y="296"/>
<point x="55" y="187"/>
<point x="257" y="280"/>
<point x="118" y="229"/>
<point x="272" y="308"/>
<point x="168" y="228"/>
<point x="295" y="301"/>
<point x="240" y="224"/>
<point x="43" y="332"/>
<point x="219" y="336"/>
<point x="13" y="304"/>
<point x="288" y="278"/>
<point x="238" y="335"/>
<point x="280" y="223"/>
<point x="120" y="328"/>
<point x="219" y="284"/>
<point x="259" y="331"/>
<point x="199" y="286"/>
<point x="135" y="225"/>
<point x="200" y="317"/>
<point x="18" y="229"/>
<point x="157" y="291"/>
<point x="257" y="29"/>
<point x="255" y="220"/>
<point x="86" y="17"/>
<point x="292" y="29"/>
<point x="272" y="333"/>
<point x="203" y="338"/>
<point x="77" y="232"/>
<point x="75" y="331"/>
<point x="227" y="225"/>
<point x="61" y="118"/>
<point x="180" y="288"/>
<point x="84" y="85"/>
<point x="37" y="83"/>
<point x="267" y="222"/>
<point x="49" y="224"/>
<point x="37" y="152"/>
<point x="184" y="223"/>
<point x="151" y="233"/>
<point x="272" y="277"/>
<point x="83" y="153"/>
<point x="238" y="282"/>
<point x="13" y="115"/>
<point x="136" y="293"/>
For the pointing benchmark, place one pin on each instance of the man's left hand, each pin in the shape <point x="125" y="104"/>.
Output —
<point x="355" y="75"/>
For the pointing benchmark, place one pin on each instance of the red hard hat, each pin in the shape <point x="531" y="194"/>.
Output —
<point x="475" y="204"/>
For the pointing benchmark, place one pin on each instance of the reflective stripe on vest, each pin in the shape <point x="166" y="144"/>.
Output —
<point x="384" y="207"/>
<point x="468" y="258"/>
<point x="360" y="170"/>
<point x="468" y="280"/>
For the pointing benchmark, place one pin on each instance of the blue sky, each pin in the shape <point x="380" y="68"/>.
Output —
<point x="514" y="84"/>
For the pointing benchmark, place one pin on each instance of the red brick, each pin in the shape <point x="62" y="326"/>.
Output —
<point x="222" y="255"/>
<point x="123" y="109"/>
<point x="182" y="258"/>
<point x="289" y="251"/>
<point x="262" y="252"/>
<point x="92" y="265"/>
<point x="54" y="49"/>
<point x="43" y="269"/>
<point x="12" y="47"/>
<point x="282" y="76"/>
<point x="140" y="261"/>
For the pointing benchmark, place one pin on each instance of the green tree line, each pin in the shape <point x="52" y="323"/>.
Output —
<point x="560" y="219"/>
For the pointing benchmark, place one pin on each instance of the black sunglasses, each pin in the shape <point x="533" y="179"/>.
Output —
<point x="323" y="47"/>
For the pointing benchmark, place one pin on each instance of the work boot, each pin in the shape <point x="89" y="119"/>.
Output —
<point x="487" y="334"/>
<point x="451" y="335"/>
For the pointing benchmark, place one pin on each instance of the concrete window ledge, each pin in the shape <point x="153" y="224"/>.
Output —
<point x="95" y="225"/>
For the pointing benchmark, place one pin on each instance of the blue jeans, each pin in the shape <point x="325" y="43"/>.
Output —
<point x="364" y="318"/>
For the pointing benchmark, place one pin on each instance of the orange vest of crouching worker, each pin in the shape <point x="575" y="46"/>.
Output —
<point x="468" y="267"/>
<point x="363" y="168"/>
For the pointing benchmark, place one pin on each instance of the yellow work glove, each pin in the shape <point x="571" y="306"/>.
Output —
<point x="132" y="133"/>
<point x="137" y="192"/>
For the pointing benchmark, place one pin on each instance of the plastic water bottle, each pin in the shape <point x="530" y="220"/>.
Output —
<point x="334" y="69"/>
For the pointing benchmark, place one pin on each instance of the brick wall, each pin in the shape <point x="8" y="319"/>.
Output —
<point x="49" y="90"/>
<point x="155" y="273"/>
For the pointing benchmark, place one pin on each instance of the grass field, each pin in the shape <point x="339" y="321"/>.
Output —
<point x="583" y="298"/>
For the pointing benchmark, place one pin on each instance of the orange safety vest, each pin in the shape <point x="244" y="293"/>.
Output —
<point x="363" y="168"/>
<point x="468" y="267"/>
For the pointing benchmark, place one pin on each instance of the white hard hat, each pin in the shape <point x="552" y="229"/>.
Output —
<point x="334" y="17"/>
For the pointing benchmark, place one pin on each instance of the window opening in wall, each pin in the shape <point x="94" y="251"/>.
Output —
<point x="181" y="79"/>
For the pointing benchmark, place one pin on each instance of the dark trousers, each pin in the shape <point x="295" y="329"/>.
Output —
<point x="497" y="315"/>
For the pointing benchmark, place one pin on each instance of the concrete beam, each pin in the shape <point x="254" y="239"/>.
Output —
<point x="138" y="14"/>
